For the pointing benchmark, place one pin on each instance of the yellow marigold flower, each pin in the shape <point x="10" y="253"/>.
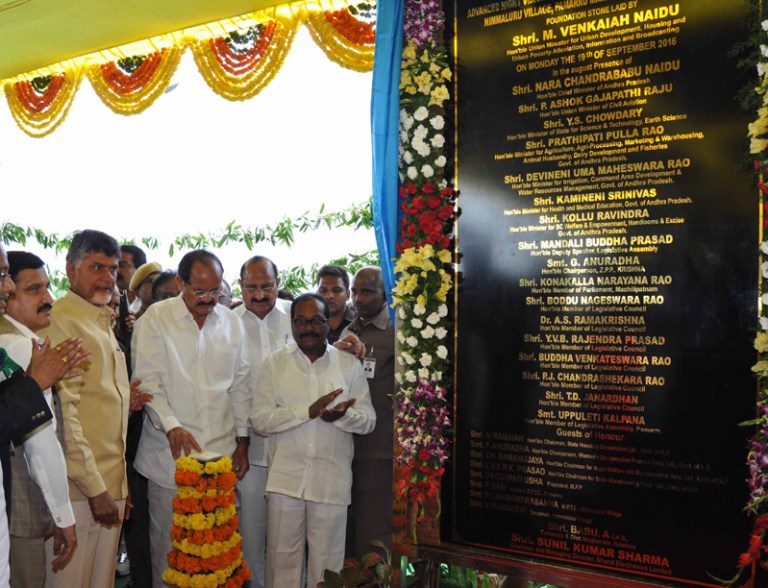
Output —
<point x="761" y="342"/>
<point x="438" y="96"/>
<point x="445" y="256"/>
<point x="410" y="90"/>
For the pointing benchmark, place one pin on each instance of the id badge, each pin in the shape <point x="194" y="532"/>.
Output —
<point x="369" y="367"/>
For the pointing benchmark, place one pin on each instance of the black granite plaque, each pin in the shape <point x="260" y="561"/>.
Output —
<point x="608" y="246"/>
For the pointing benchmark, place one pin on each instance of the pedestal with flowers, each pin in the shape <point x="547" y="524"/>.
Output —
<point x="206" y="547"/>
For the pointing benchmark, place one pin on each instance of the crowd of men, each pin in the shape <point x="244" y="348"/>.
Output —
<point x="137" y="365"/>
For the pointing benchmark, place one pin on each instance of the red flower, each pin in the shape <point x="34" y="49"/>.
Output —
<point x="402" y="191"/>
<point x="411" y="230"/>
<point x="399" y="248"/>
<point x="424" y="454"/>
<point x="428" y="188"/>
<point x="445" y="212"/>
<point x="411" y="188"/>
<point x="418" y="203"/>
<point x="445" y="242"/>
<point x="433" y="201"/>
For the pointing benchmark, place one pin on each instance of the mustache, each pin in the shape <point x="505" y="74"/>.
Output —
<point x="45" y="306"/>
<point x="259" y="300"/>
<point x="211" y="303"/>
<point x="310" y="334"/>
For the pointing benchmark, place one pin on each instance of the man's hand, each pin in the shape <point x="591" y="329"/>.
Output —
<point x="104" y="509"/>
<point x="240" y="463"/>
<point x="318" y="406"/>
<point x="352" y="344"/>
<point x="50" y="365"/>
<point x="181" y="439"/>
<point x="334" y="414"/>
<point x="64" y="543"/>
<point x="139" y="398"/>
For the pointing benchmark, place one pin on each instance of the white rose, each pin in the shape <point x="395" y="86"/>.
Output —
<point x="420" y="132"/>
<point x="440" y="161"/>
<point x="412" y="341"/>
<point x="403" y="137"/>
<point x="401" y="176"/>
<point x="433" y="318"/>
<point x="764" y="323"/>
<point x="764" y="298"/>
<point x="438" y="141"/>
<point x="416" y="323"/>
<point x="427" y="171"/>
<point x="410" y="376"/>
<point x="400" y="337"/>
<point x="425" y="359"/>
<point x="440" y="333"/>
<point x="398" y="378"/>
<point x="764" y="267"/>
<point x="408" y="157"/>
<point x="418" y="309"/>
<point x="437" y="376"/>
<point x="401" y="312"/>
<point x="424" y="373"/>
<point x="437" y="122"/>
<point x="412" y="173"/>
<point x="442" y="351"/>
<point x="422" y="148"/>
<point x="428" y="333"/>
<point x="421" y="113"/>
<point x="407" y="358"/>
<point x="443" y="310"/>
<point x="764" y="247"/>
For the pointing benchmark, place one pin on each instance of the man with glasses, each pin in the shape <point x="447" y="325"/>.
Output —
<point x="310" y="399"/>
<point x="95" y="410"/>
<point x="191" y="353"/>
<point x="267" y="322"/>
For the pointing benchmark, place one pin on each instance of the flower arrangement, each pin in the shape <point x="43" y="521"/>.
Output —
<point x="757" y="457"/>
<point x="206" y="548"/>
<point x="423" y="269"/>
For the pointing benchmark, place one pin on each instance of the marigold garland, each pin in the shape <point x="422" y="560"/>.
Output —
<point x="240" y="76"/>
<point x="206" y="548"/>
<point x="349" y="45"/>
<point x="40" y="113"/>
<point x="133" y="92"/>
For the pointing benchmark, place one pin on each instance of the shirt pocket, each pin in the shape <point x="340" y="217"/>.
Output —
<point x="222" y="364"/>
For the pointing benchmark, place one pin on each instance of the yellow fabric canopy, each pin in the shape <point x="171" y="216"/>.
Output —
<point x="237" y="56"/>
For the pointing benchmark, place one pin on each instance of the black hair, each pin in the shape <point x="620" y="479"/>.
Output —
<point x="22" y="260"/>
<point x="139" y="257"/>
<point x="311" y="296"/>
<point x="203" y="256"/>
<point x="333" y="271"/>
<point x="91" y="241"/>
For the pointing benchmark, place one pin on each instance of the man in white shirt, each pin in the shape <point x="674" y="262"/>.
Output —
<point x="190" y="352"/>
<point x="267" y="322"/>
<point x="41" y="502"/>
<point x="310" y="398"/>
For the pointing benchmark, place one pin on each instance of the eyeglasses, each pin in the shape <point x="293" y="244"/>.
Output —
<point x="315" y="322"/>
<point x="200" y="294"/>
<point x="254" y="289"/>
